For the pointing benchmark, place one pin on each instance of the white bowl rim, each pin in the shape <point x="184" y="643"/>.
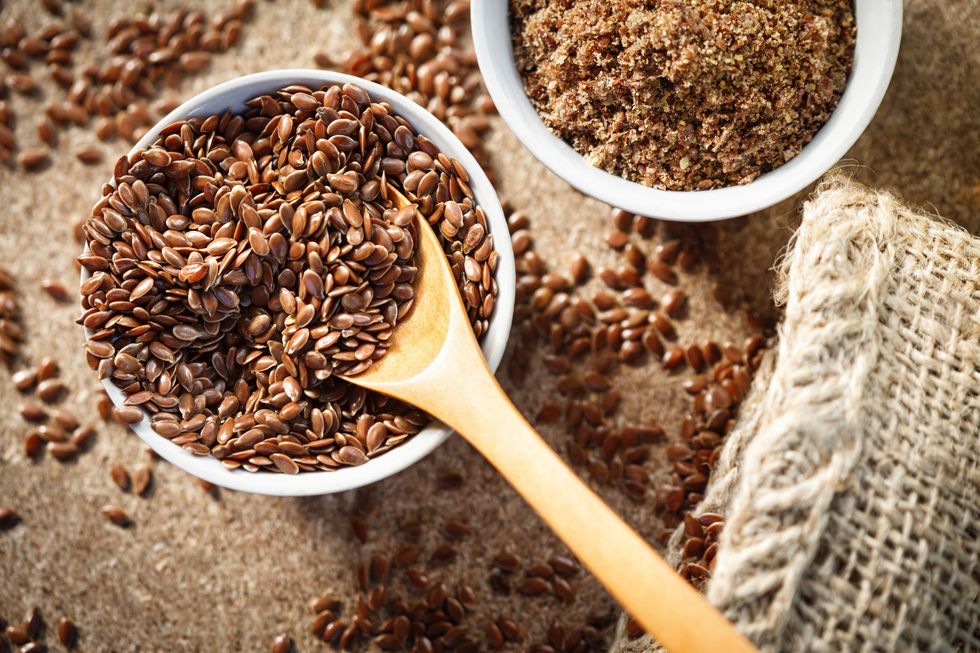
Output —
<point x="878" y="39"/>
<point x="233" y="93"/>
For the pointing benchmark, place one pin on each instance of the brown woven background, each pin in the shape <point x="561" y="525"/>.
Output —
<point x="227" y="572"/>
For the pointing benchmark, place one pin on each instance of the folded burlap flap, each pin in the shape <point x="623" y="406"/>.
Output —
<point x="851" y="485"/>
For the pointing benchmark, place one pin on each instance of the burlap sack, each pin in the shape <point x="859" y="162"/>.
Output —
<point x="851" y="483"/>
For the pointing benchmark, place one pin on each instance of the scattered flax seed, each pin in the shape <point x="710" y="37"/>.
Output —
<point x="47" y="369"/>
<point x="22" y="83"/>
<point x="507" y="562"/>
<point x="33" y="444"/>
<point x="690" y="95"/>
<point x="53" y="433"/>
<point x="534" y="586"/>
<point x="32" y="159"/>
<point x="50" y="390"/>
<point x="55" y="290"/>
<point x="563" y="565"/>
<point x="618" y="325"/>
<point x="119" y="476"/>
<point x="17" y="634"/>
<point x="46" y="131"/>
<point x="563" y="589"/>
<point x="24" y="380"/>
<point x="31" y="412"/>
<point x="323" y="59"/>
<point x="323" y="602"/>
<point x="207" y="487"/>
<point x="62" y="451"/>
<point x="104" y="405"/>
<point x="82" y="436"/>
<point x="64" y="418"/>
<point x="617" y="240"/>
<point x="67" y="633"/>
<point x="283" y="643"/>
<point x="142" y="477"/>
<point x="451" y="481"/>
<point x="359" y="528"/>
<point x="89" y="154"/>
<point x="116" y="515"/>
<point x="105" y="129"/>
<point x="673" y="302"/>
<point x="8" y="518"/>
<point x="34" y="622"/>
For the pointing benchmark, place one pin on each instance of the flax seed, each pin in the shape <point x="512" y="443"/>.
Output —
<point x="67" y="633"/>
<point x="662" y="271"/>
<point x="142" y="477"/>
<point x="119" y="476"/>
<point x="31" y="412"/>
<point x="563" y="589"/>
<point x="17" y="634"/>
<point x="32" y="159"/>
<point x="47" y="369"/>
<point x="579" y="269"/>
<point x="62" y="451"/>
<point x="673" y="302"/>
<point x="116" y="515"/>
<point x="24" y="379"/>
<point x="674" y="358"/>
<point x="46" y="131"/>
<point x="617" y="240"/>
<point x="55" y="290"/>
<point x="50" y="390"/>
<point x="89" y="154"/>
<point x="33" y="444"/>
<point x="8" y="518"/>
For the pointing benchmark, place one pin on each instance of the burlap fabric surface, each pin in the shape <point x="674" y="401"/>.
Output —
<point x="852" y="484"/>
<point x="226" y="572"/>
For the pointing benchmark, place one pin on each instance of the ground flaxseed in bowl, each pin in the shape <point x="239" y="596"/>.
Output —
<point x="684" y="95"/>
<point x="243" y="262"/>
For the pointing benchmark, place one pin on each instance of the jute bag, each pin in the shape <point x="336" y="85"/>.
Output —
<point x="851" y="485"/>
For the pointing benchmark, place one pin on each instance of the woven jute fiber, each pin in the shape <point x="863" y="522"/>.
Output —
<point x="851" y="484"/>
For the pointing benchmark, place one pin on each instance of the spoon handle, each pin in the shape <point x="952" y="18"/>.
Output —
<point x="668" y="607"/>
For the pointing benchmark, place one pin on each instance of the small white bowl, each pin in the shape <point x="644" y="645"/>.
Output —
<point x="879" y="32"/>
<point x="233" y="94"/>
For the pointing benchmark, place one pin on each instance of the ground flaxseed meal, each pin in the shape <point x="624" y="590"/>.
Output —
<point x="685" y="95"/>
<point x="243" y="263"/>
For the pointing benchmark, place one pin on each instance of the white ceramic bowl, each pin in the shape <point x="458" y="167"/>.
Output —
<point x="879" y="31"/>
<point x="233" y="94"/>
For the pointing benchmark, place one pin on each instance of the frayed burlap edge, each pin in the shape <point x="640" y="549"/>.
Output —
<point x="851" y="483"/>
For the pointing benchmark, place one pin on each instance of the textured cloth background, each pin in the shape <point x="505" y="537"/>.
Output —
<point x="227" y="572"/>
<point x="852" y="484"/>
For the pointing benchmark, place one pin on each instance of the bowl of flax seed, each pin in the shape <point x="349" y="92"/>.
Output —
<point x="245" y="256"/>
<point x="691" y="111"/>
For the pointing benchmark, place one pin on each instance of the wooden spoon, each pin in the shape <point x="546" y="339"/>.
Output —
<point x="434" y="362"/>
